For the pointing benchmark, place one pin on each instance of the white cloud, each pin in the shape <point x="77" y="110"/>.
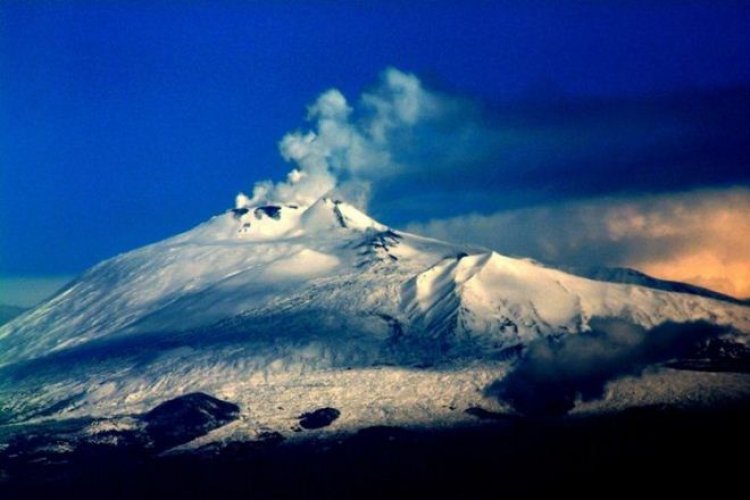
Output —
<point x="348" y="147"/>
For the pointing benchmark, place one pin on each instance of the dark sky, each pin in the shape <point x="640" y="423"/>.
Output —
<point x="123" y="123"/>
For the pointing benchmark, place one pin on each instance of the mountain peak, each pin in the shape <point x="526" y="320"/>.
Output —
<point x="271" y="294"/>
<point x="280" y="221"/>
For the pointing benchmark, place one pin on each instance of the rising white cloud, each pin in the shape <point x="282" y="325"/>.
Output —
<point x="348" y="146"/>
<point x="700" y="237"/>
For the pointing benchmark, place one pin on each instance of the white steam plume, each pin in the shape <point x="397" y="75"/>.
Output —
<point x="348" y="147"/>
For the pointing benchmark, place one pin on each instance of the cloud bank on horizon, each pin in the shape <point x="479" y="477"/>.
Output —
<point x="700" y="237"/>
<point x="630" y="189"/>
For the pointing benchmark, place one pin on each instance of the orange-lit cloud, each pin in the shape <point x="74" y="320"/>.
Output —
<point x="708" y="233"/>
<point x="700" y="237"/>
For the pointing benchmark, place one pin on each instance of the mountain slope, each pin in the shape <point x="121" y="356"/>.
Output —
<point x="632" y="277"/>
<point x="281" y="306"/>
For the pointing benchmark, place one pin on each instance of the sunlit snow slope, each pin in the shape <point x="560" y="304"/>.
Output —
<point x="282" y="306"/>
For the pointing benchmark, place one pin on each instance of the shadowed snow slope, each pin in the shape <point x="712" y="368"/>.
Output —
<point x="264" y="300"/>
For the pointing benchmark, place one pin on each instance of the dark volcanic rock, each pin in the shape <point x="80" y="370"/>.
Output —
<point x="540" y="456"/>
<point x="272" y="211"/>
<point x="270" y="438"/>
<point x="716" y="355"/>
<point x="481" y="413"/>
<point x="322" y="417"/>
<point x="382" y="434"/>
<point x="185" y="418"/>
<point x="237" y="213"/>
<point x="241" y="450"/>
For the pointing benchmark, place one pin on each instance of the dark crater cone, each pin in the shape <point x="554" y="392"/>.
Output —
<point x="183" y="419"/>
<point x="322" y="417"/>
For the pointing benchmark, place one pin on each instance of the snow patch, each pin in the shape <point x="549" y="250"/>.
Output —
<point x="302" y="265"/>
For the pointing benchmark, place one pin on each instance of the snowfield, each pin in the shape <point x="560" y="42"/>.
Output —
<point x="282" y="309"/>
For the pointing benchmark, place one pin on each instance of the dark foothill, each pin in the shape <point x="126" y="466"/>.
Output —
<point x="184" y="418"/>
<point x="322" y="417"/>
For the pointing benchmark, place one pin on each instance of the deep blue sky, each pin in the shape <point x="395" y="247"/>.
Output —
<point x="123" y="123"/>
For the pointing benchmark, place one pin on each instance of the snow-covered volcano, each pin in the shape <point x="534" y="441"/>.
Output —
<point x="284" y="308"/>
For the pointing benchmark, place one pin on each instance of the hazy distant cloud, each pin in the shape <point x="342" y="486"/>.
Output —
<point x="701" y="237"/>
<point x="525" y="153"/>
<point x="29" y="291"/>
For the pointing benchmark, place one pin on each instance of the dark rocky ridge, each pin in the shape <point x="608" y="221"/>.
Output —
<point x="629" y="276"/>
<point x="654" y="450"/>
